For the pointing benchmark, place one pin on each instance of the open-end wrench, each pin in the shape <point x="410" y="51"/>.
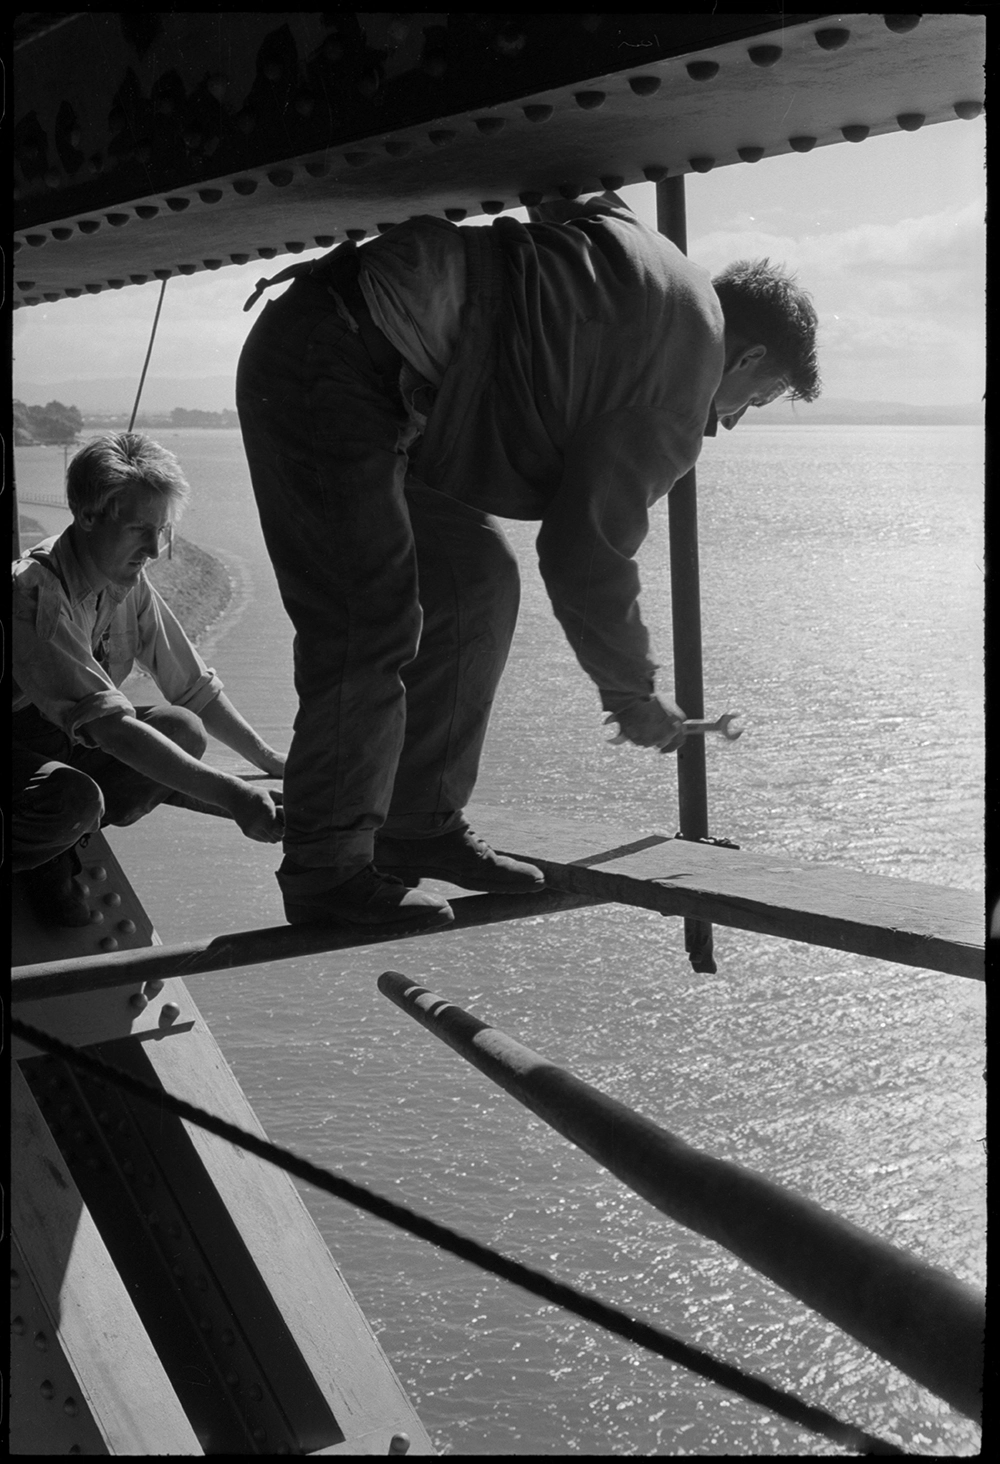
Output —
<point x="695" y="726"/>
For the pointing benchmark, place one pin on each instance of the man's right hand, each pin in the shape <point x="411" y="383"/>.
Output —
<point x="650" y="721"/>
<point x="257" y="814"/>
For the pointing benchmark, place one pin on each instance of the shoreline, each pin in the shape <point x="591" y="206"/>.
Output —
<point x="195" y="585"/>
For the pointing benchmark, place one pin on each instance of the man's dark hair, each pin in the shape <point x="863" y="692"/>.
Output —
<point x="762" y="302"/>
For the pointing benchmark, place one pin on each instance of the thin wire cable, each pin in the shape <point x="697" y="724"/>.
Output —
<point x="785" y="1404"/>
<point x="149" y="352"/>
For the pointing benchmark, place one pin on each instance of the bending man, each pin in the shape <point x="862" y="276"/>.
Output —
<point x="395" y="398"/>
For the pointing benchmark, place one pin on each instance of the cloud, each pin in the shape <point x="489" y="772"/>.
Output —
<point x="901" y="302"/>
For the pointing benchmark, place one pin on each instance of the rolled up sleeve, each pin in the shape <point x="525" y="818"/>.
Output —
<point x="166" y="653"/>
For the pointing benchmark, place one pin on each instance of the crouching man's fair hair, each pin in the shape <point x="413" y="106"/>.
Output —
<point x="107" y="466"/>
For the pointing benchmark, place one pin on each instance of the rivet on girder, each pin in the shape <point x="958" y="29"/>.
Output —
<point x="62" y="234"/>
<point x="398" y="147"/>
<point x="612" y="181"/>
<point x="645" y="86"/>
<point x="357" y="234"/>
<point x="384" y="228"/>
<point x="187" y="269"/>
<point x="41" y="1342"/>
<point x="178" y="204"/>
<point x="490" y="125"/>
<point x="138" y="279"/>
<point x="86" y="226"/>
<point x="802" y="144"/>
<point x="530" y="199"/>
<point x="832" y="38"/>
<point x="455" y="214"/>
<point x="294" y="246"/>
<point x="138" y="1001"/>
<point x="108" y="943"/>
<point x="702" y="70"/>
<point x="317" y="167"/>
<point x="570" y="191"/>
<point x="655" y="172"/>
<point x="244" y="186"/>
<point x="210" y="195"/>
<point x="750" y="154"/>
<point x="116" y="220"/>
<point x="966" y="110"/>
<point x="212" y="263"/>
<point x="855" y="132"/>
<point x="900" y="24"/>
<point x="267" y="251"/>
<point x="323" y="241"/>
<point x="280" y="177"/>
<point x="17" y="1326"/>
<point x="911" y="121"/>
<point x="399" y="1444"/>
<point x="46" y="1389"/>
<point x="162" y="274"/>
<point x="169" y="1013"/>
<point x="146" y="211"/>
<point x="71" y="1408"/>
<point x="97" y="916"/>
<point x="701" y="165"/>
<point x="492" y="205"/>
<point x="764" y="55"/>
<point x="590" y="100"/>
<point x="235" y="259"/>
<point x="15" y="1280"/>
<point x="441" y="136"/>
<point x="357" y="159"/>
<point x="113" y="897"/>
<point x="25" y="284"/>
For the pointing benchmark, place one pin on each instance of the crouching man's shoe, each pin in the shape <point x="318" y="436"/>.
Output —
<point x="461" y="858"/>
<point x="55" y="892"/>
<point x="368" y="897"/>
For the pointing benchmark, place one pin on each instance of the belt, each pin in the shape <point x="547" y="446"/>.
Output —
<point x="337" y="274"/>
<point x="340" y="277"/>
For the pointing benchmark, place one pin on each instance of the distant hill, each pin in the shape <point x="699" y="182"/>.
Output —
<point x="842" y="412"/>
<point x="217" y="394"/>
<point x="117" y="393"/>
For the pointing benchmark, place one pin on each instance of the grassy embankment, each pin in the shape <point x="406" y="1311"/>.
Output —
<point x="193" y="583"/>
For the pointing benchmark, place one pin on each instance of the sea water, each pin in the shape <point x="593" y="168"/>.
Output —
<point x="842" y="580"/>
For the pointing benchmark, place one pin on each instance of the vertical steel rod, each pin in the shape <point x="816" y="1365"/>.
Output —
<point x="685" y="598"/>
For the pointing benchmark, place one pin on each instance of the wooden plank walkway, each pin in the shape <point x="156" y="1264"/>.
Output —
<point x="927" y="926"/>
<point x="930" y="926"/>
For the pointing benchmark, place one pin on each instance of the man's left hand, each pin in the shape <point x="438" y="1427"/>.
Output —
<point x="650" y="721"/>
<point x="272" y="763"/>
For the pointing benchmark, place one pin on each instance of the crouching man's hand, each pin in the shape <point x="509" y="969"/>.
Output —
<point x="257" y="814"/>
<point x="650" y="721"/>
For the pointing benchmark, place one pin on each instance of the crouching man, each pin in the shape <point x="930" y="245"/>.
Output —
<point x="84" y="614"/>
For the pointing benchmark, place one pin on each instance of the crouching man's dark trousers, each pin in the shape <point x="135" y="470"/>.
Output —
<point x="63" y="790"/>
<point x="403" y="600"/>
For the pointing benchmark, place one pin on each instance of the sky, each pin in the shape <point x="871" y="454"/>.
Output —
<point x="887" y="235"/>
